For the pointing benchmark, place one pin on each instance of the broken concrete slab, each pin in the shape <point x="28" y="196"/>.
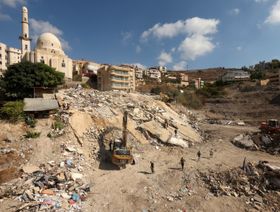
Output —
<point x="29" y="168"/>
<point x="244" y="141"/>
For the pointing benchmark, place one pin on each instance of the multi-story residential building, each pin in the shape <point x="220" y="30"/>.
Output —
<point x="184" y="79"/>
<point x="8" y="56"/>
<point x="154" y="74"/>
<point x="111" y="77"/>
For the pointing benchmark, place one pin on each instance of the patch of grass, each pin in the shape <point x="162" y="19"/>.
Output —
<point x="12" y="111"/>
<point x="58" y="124"/>
<point x="30" y="134"/>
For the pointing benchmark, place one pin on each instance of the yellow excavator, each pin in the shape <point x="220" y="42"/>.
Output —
<point x="121" y="154"/>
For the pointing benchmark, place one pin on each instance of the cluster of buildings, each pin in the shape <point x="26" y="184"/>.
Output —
<point x="48" y="50"/>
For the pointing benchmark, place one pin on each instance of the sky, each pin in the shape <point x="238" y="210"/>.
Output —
<point x="178" y="34"/>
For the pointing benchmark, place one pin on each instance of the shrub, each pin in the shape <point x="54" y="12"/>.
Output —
<point x="210" y="91"/>
<point x="156" y="90"/>
<point x="257" y="75"/>
<point x="58" y="124"/>
<point x="30" y="121"/>
<point x="30" y="134"/>
<point x="12" y="111"/>
<point x="190" y="100"/>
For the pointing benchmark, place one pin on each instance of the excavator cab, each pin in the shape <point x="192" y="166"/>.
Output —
<point x="271" y="126"/>
<point x="273" y="123"/>
<point x="121" y="155"/>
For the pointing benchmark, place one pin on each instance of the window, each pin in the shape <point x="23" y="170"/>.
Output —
<point x="25" y="19"/>
<point x="42" y="59"/>
<point x="0" y="62"/>
<point x="63" y="64"/>
<point x="25" y="35"/>
<point x="26" y="47"/>
<point x="0" y="55"/>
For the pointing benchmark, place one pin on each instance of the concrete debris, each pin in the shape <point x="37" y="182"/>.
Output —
<point x="250" y="181"/>
<point x="91" y="111"/>
<point x="29" y="169"/>
<point x="226" y="122"/>
<point x="244" y="141"/>
<point x="258" y="141"/>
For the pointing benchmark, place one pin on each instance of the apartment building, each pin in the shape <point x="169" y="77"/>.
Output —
<point x="110" y="77"/>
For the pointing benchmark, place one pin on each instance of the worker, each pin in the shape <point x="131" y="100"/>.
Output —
<point x="166" y="124"/>
<point x="182" y="161"/>
<point x="198" y="155"/>
<point x="152" y="165"/>
<point x="211" y="153"/>
<point x="133" y="162"/>
<point x="175" y="132"/>
<point x="111" y="145"/>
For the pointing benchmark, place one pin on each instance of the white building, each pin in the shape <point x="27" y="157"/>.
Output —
<point x="8" y="56"/>
<point x="48" y="50"/>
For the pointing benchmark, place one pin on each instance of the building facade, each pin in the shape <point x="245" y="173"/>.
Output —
<point x="8" y="56"/>
<point x="116" y="78"/>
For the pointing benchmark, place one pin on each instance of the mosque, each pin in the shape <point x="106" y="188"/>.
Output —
<point x="48" y="50"/>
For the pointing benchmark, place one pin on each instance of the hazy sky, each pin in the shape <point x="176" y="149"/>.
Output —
<point x="176" y="33"/>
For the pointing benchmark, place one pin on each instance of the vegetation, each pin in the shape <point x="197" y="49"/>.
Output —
<point x="30" y="134"/>
<point x="257" y="75"/>
<point x="30" y="121"/>
<point x="20" y="79"/>
<point x="210" y="91"/>
<point x="58" y="124"/>
<point x="190" y="100"/>
<point x="77" y="77"/>
<point x="85" y="85"/>
<point x="12" y="111"/>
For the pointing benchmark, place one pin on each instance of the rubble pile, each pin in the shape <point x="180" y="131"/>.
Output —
<point x="253" y="181"/>
<point x="258" y="141"/>
<point x="104" y="103"/>
<point x="225" y="122"/>
<point x="55" y="186"/>
<point x="143" y="110"/>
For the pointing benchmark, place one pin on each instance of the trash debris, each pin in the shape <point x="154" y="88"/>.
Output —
<point x="252" y="180"/>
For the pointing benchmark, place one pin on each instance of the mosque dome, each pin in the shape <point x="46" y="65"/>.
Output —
<point x="49" y="41"/>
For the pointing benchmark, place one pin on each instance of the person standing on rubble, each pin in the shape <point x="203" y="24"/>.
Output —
<point x="166" y="124"/>
<point x="176" y="132"/>
<point x="182" y="161"/>
<point x="152" y="166"/>
<point x="111" y="146"/>
<point x="198" y="155"/>
<point x="211" y="153"/>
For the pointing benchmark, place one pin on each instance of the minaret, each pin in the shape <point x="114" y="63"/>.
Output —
<point x="25" y="39"/>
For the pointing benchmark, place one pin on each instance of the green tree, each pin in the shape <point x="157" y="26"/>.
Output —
<point x="20" y="79"/>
